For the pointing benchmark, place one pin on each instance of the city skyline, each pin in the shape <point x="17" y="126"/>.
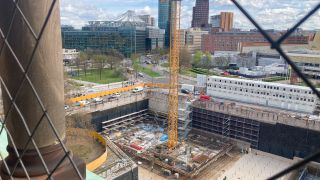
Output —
<point x="78" y="13"/>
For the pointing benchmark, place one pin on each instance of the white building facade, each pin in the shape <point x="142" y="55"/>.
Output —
<point x="282" y="96"/>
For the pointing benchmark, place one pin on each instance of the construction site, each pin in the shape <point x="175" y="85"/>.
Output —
<point x="216" y="139"/>
<point x="167" y="134"/>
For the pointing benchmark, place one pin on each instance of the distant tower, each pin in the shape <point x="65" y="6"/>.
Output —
<point x="200" y="15"/>
<point x="226" y="21"/>
<point x="164" y="19"/>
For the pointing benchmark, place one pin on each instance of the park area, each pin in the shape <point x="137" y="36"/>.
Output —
<point x="148" y="71"/>
<point x="105" y="76"/>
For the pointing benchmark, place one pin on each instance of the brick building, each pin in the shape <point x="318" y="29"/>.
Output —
<point x="231" y="41"/>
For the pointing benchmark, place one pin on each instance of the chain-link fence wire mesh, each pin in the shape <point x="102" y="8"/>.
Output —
<point x="37" y="34"/>
<point x="4" y="34"/>
<point x="276" y="44"/>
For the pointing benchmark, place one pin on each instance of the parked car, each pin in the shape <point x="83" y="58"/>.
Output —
<point x="185" y="91"/>
<point x="66" y="107"/>
<point x="204" y="98"/>
<point x="140" y="74"/>
<point x="196" y="93"/>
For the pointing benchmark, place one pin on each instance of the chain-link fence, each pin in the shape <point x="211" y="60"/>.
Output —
<point x="30" y="42"/>
<point x="15" y="14"/>
<point x="276" y="44"/>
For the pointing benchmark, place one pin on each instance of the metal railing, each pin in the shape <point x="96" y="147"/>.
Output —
<point x="5" y="32"/>
<point x="276" y="45"/>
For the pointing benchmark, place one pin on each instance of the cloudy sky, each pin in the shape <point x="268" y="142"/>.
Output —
<point x="272" y="14"/>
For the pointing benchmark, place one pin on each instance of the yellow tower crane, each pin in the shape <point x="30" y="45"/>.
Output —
<point x="174" y="74"/>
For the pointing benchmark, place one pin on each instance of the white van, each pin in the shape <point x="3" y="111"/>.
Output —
<point x="137" y="89"/>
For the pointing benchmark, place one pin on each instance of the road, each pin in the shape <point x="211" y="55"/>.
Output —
<point x="125" y="98"/>
<point x="165" y="79"/>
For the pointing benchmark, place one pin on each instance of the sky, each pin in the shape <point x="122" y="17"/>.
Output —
<point x="271" y="14"/>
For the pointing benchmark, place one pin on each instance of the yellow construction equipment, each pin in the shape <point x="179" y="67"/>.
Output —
<point x="174" y="73"/>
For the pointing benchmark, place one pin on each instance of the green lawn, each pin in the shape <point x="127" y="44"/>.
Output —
<point x="165" y="65"/>
<point x="149" y="72"/>
<point x="188" y="72"/>
<point x="107" y="76"/>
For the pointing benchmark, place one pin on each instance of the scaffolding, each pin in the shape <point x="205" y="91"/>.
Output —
<point x="226" y="125"/>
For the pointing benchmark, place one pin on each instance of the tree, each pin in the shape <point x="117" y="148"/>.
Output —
<point x="207" y="61"/>
<point x="83" y="57"/>
<point x="184" y="58"/>
<point x="100" y="59"/>
<point x="114" y="57"/>
<point x="134" y="57"/>
<point x="197" y="58"/>
<point x="220" y="61"/>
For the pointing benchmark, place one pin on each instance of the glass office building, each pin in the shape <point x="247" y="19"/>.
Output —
<point x="164" y="19"/>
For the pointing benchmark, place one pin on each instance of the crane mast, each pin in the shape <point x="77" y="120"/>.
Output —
<point x="174" y="74"/>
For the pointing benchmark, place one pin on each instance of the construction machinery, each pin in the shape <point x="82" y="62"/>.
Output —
<point x="174" y="74"/>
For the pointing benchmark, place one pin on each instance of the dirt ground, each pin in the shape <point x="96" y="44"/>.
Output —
<point x="86" y="148"/>
<point x="148" y="175"/>
<point x="216" y="169"/>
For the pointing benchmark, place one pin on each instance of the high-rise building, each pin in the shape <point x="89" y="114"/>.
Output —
<point x="147" y="19"/>
<point x="164" y="19"/>
<point x="127" y="34"/>
<point x="224" y="21"/>
<point x="194" y="39"/>
<point x="215" y="21"/>
<point x="154" y="38"/>
<point x="200" y="14"/>
<point x="153" y="21"/>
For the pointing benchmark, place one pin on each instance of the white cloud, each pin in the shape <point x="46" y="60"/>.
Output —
<point x="277" y="14"/>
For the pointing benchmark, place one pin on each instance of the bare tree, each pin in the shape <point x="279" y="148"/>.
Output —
<point x="83" y="60"/>
<point x="80" y="120"/>
<point x="100" y="60"/>
<point x="185" y="58"/>
<point x="220" y="61"/>
<point x="114" y="57"/>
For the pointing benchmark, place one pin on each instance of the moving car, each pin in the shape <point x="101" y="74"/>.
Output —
<point x="137" y="89"/>
<point x="97" y="100"/>
<point x="116" y="95"/>
<point x="84" y="103"/>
